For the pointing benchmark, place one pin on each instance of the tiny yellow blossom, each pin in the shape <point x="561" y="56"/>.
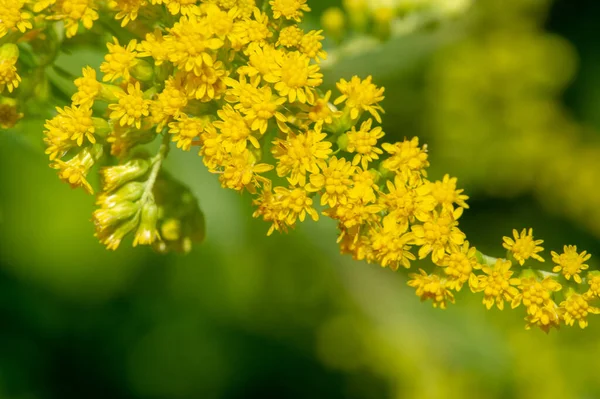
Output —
<point x="535" y="295"/>
<point x="299" y="154"/>
<point x="290" y="36"/>
<point x="14" y="17"/>
<point x="406" y="157"/>
<point x="438" y="234"/>
<point x="446" y="194"/>
<point x="497" y="284"/>
<point x="545" y="318"/>
<point x="432" y="286"/>
<point x="289" y="9"/>
<point x="119" y="61"/>
<point x="9" y="78"/>
<point x="88" y="87"/>
<point x="459" y="265"/>
<point x="334" y="180"/>
<point x="127" y="10"/>
<point x="570" y="263"/>
<point x="131" y="108"/>
<point x="294" y="76"/>
<point x="390" y="243"/>
<point x="523" y="246"/>
<point x="364" y="143"/>
<point x="593" y="280"/>
<point x="185" y="129"/>
<point x="361" y="95"/>
<point x="576" y="308"/>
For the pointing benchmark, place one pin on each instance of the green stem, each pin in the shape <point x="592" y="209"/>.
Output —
<point x="156" y="164"/>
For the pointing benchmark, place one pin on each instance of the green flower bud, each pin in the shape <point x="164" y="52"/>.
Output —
<point x="146" y="233"/>
<point x="115" y="176"/>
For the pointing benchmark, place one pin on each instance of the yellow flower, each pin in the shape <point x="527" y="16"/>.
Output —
<point x="311" y="45"/>
<point x="13" y="17"/>
<point x="127" y="10"/>
<point x="9" y="78"/>
<point x="294" y="77"/>
<point x="185" y="129"/>
<point x="212" y="149"/>
<point x="295" y="204"/>
<point x="360" y="95"/>
<point x="356" y="212"/>
<point x="289" y="9"/>
<point x="406" y="157"/>
<point x="261" y="60"/>
<point x="364" y="143"/>
<point x="185" y="7"/>
<point x="523" y="246"/>
<point x="207" y="86"/>
<point x="432" y="286"/>
<point x="593" y="280"/>
<point x="570" y="262"/>
<point x="335" y="180"/>
<point x="235" y="130"/>
<point x="535" y="295"/>
<point x="390" y="243"/>
<point x="75" y="170"/>
<point x="408" y="199"/>
<point x="153" y="46"/>
<point x="241" y="171"/>
<point x="255" y="31"/>
<point x="259" y="105"/>
<point x="119" y="61"/>
<point x="321" y="112"/>
<point x="88" y="87"/>
<point x="72" y="12"/>
<point x="190" y="44"/>
<point x="9" y="114"/>
<point x="576" y="308"/>
<point x="169" y="103"/>
<point x="290" y="36"/>
<point x="364" y="186"/>
<point x="438" y="234"/>
<point x="131" y="108"/>
<point x="74" y="123"/>
<point x="496" y="284"/>
<point x="459" y="264"/>
<point x="545" y="318"/>
<point x="300" y="153"/>
<point x="446" y="194"/>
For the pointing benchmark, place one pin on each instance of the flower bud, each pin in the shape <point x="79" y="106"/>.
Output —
<point x="146" y="233"/>
<point x="342" y="142"/>
<point x="143" y="71"/>
<point x="131" y="191"/>
<point x="115" y="176"/>
<point x="105" y="218"/>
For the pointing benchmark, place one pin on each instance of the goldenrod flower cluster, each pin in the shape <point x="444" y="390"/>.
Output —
<point x="239" y="81"/>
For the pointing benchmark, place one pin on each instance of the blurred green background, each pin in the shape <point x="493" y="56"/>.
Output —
<point x="507" y="96"/>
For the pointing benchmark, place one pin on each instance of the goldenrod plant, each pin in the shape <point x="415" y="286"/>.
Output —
<point x="240" y="82"/>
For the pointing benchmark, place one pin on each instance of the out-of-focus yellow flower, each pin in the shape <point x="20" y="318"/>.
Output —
<point x="289" y="9"/>
<point x="14" y="17"/>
